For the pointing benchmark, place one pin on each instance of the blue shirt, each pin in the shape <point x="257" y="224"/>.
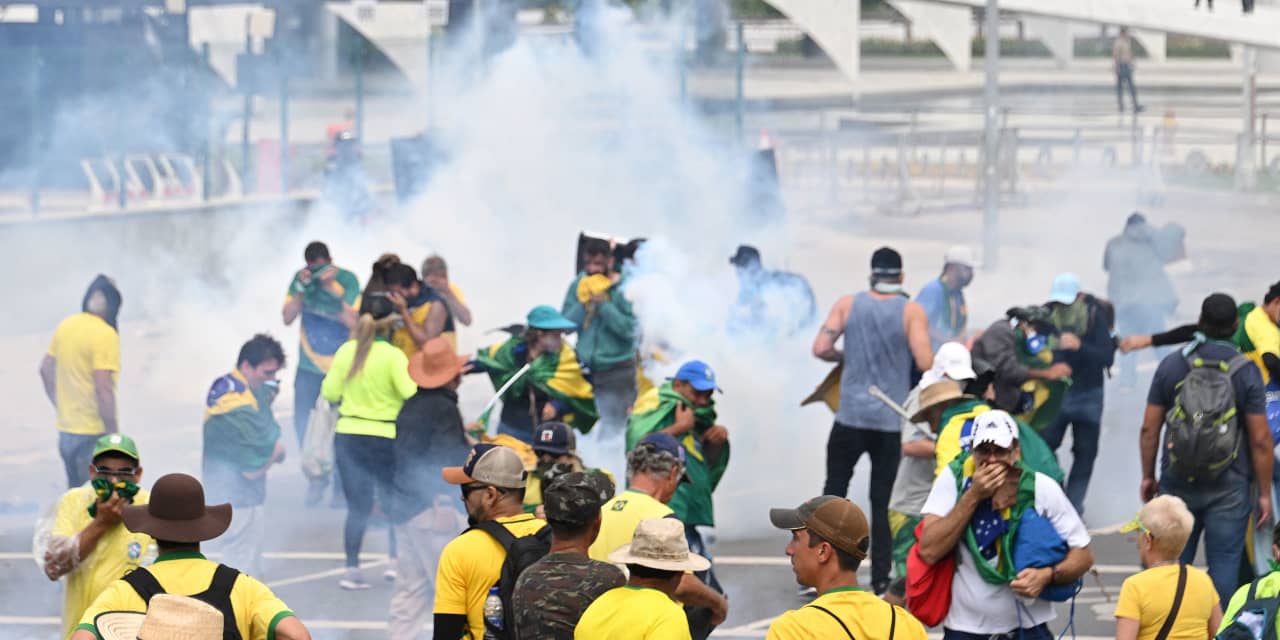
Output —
<point x="946" y="309"/>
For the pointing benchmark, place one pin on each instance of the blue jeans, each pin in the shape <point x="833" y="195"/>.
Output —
<point x="1040" y="632"/>
<point x="306" y="390"/>
<point x="77" y="454"/>
<point x="1222" y="512"/>
<point x="1082" y="410"/>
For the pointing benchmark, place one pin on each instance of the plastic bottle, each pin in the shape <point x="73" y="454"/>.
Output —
<point x="493" y="611"/>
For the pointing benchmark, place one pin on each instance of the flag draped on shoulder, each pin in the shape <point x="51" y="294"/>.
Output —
<point x="1041" y="400"/>
<point x="656" y="410"/>
<point x="558" y="376"/>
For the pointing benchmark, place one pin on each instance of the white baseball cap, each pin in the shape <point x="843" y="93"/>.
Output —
<point x="961" y="255"/>
<point x="953" y="361"/>
<point x="995" y="427"/>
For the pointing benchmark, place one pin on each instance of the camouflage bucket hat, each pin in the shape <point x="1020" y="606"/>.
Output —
<point x="574" y="499"/>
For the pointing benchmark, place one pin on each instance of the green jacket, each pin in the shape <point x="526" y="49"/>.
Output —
<point x="608" y="338"/>
<point x="656" y="410"/>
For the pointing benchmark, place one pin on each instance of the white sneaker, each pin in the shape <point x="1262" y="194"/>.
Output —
<point x="389" y="575"/>
<point x="353" y="580"/>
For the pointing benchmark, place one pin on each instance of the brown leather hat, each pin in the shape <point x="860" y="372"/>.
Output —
<point x="177" y="512"/>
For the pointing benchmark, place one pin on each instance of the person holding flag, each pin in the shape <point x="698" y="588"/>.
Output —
<point x="684" y="408"/>
<point x="538" y="377"/>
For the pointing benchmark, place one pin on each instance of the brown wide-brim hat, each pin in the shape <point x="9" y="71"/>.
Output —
<point x="436" y="364"/>
<point x="177" y="512"/>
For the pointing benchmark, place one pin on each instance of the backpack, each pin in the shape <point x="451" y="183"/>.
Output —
<point x="218" y="594"/>
<point x="1203" y="433"/>
<point x="1256" y="618"/>
<point x="521" y="553"/>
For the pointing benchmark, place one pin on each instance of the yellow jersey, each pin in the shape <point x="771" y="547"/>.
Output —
<point x="863" y="614"/>
<point x="619" y="518"/>
<point x="472" y="563"/>
<point x="1148" y="596"/>
<point x="187" y="573"/>
<point x="82" y="343"/>
<point x="119" y="551"/>
<point x="1265" y="336"/>
<point x="633" y="613"/>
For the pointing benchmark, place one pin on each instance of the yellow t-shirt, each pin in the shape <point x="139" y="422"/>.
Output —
<point x="119" y="551"/>
<point x="472" y="563"/>
<point x="258" y="611"/>
<point x="619" y="518"/>
<point x="1148" y="596"/>
<point x="865" y="615"/>
<point x="633" y="613"/>
<point x="1265" y="336"/>
<point x="82" y="343"/>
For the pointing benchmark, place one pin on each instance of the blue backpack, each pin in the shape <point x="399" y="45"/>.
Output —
<point x="1037" y="544"/>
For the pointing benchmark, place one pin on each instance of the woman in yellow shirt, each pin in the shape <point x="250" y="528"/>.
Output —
<point x="370" y="378"/>
<point x="1146" y="610"/>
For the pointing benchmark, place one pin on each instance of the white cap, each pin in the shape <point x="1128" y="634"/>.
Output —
<point x="953" y="361"/>
<point x="995" y="427"/>
<point x="961" y="255"/>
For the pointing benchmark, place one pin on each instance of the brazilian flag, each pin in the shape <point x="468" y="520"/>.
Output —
<point x="1041" y="399"/>
<point x="656" y="410"/>
<point x="559" y="376"/>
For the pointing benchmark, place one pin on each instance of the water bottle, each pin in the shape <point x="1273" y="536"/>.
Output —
<point x="493" y="611"/>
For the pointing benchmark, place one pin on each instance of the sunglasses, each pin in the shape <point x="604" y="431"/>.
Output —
<point x="115" y="473"/>
<point x="468" y="489"/>
<point x="1136" y="525"/>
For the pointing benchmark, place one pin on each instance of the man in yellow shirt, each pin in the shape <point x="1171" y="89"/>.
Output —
<point x="1148" y="600"/>
<point x="179" y="520"/>
<point x="657" y="559"/>
<point x="829" y="540"/>
<point x="492" y="481"/>
<point x="423" y="313"/>
<point x="435" y="274"/>
<point x="79" y="375"/>
<point x="655" y="468"/>
<point x="93" y="551"/>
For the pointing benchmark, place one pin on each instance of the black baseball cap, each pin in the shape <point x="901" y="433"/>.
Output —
<point x="886" y="262"/>
<point x="555" y="438"/>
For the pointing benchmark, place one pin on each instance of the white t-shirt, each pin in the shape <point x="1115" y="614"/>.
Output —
<point x="979" y="607"/>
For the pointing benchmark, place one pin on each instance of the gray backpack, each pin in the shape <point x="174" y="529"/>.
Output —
<point x="1203" y="432"/>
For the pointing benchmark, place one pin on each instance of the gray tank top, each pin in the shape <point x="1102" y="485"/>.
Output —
<point x="875" y="353"/>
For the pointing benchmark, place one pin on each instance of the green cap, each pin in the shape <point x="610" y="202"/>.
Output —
<point x="117" y="442"/>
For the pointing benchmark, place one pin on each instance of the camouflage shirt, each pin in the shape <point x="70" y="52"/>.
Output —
<point x="552" y="593"/>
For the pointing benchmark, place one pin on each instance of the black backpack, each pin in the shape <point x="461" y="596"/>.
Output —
<point x="1203" y="431"/>
<point x="218" y="594"/>
<point x="521" y="554"/>
<point x="1256" y="619"/>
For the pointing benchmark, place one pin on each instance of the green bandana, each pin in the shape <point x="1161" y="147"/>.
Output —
<point x="104" y="488"/>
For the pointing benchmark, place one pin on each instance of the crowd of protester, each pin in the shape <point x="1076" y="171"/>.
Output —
<point x="504" y="531"/>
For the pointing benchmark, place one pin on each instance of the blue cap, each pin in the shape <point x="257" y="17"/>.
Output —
<point x="664" y="443"/>
<point x="699" y="376"/>
<point x="1065" y="288"/>
<point x="547" y="318"/>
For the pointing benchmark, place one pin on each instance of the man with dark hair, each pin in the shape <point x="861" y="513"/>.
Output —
<point x="770" y="303"/>
<point x="829" y="540"/>
<point x="324" y="296"/>
<point x="885" y="335"/>
<point x="241" y="442"/>
<point x="87" y="543"/>
<point x="657" y="559"/>
<point x="607" y="333"/>
<point x="552" y="593"/>
<point x="423" y="313"/>
<point x="1017" y="348"/>
<point x="79" y="375"/>
<point x="179" y="520"/>
<point x="1219" y="500"/>
<point x="492" y="482"/>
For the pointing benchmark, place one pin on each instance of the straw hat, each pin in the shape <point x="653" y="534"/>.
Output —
<point x="935" y="394"/>
<point x="168" y="617"/>
<point x="436" y="364"/>
<point x="659" y="543"/>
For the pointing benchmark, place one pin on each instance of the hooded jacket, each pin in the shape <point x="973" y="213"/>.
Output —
<point x="110" y="292"/>
<point x="1135" y="264"/>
